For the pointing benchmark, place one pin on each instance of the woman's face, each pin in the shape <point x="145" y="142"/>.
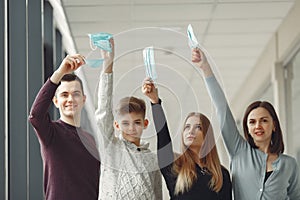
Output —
<point x="193" y="135"/>
<point x="260" y="126"/>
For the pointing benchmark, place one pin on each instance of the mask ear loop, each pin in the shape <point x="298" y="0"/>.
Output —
<point x="91" y="44"/>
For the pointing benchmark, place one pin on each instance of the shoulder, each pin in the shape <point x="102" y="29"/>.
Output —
<point x="287" y="160"/>
<point x="224" y="169"/>
<point x="225" y="172"/>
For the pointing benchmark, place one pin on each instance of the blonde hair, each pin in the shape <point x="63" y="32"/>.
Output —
<point x="185" y="166"/>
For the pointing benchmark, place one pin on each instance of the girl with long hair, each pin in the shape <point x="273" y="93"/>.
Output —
<point x="197" y="173"/>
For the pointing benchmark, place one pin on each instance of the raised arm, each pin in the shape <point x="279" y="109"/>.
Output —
<point x="233" y="140"/>
<point x="164" y="142"/>
<point x="39" y="116"/>
<point x="103" y="100"/>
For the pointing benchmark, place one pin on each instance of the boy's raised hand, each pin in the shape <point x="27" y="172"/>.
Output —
<point x="108" y="57"/>
<point x="149" y="90"/>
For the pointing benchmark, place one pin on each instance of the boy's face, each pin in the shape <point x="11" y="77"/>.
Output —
<point x="69" y="99"/>
<point x="131" y="125"/>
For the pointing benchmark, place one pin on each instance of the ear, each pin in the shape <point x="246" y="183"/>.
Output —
<point x="146" y="123"/>
<point x="55" y="101"/>
<point x="117" y="125"/>
<point x="84" y="98"/>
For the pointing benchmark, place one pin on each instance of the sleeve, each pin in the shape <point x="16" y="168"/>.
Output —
<point x="103" y="110"/>
<point x="39" y="115"/>
<point x="293" y="191"/>
<point x="164" y="144"/>
<point x="226" y="191"/>
<point x="158" y="185"/>
<point x="232" y="138"/>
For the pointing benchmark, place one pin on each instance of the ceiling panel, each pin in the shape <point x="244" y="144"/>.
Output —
<point x="252" y="10"/>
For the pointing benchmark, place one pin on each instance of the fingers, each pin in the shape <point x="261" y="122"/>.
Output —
<point x="112" y="42"/>
<point x="196" y="55"/>
<point x="147" y="88"/>
<point x="74" y="61"/>
<point x="148" y="85"/>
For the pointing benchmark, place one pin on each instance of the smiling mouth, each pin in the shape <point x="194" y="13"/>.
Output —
<point x="259" y="133"/>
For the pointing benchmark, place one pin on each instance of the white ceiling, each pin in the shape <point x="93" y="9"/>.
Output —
<point x="234" y="32"/>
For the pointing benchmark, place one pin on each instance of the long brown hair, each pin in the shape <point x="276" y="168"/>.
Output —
<point x="185" y="166"/>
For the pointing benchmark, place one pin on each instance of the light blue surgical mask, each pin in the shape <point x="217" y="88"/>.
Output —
<point x="148" y="55"/>
<point x="101" y="40"/>
<point x="94" y="63"/>
<point x="193" y="42"/>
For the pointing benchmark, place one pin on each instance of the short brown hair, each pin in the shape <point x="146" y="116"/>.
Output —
<point x="131" y="105"/>
<point x="72" y="77"/>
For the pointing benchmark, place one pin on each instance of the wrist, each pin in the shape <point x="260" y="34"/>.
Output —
<point x="56" y="77"/>
<point x="155" y="101"/>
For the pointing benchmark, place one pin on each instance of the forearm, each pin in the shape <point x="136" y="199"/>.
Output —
<point x="56" y="77"/>
<point x="107" y="66"/>
<point x="227" y="123"/>
<point x="207" y="71"/>
<point x="104" y="113"/>
<point x="164" y="142"/>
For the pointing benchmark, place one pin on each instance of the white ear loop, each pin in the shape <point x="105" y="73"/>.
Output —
<point x="91" y="45"/>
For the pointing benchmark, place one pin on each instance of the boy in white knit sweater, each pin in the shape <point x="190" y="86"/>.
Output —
<point x="129" y="170"/>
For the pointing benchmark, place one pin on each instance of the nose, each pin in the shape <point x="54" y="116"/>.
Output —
<point x="257" y="124"/>
<point x="131" y="127"/>
<point x="70" y="97"/>
<point x="191" y="131"/>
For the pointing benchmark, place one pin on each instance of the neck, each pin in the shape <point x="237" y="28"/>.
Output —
<point x="195" y="149"/>
<point x="137" y="142"/>
<point x="72" y="121"/>
<point x="263" y="147"/>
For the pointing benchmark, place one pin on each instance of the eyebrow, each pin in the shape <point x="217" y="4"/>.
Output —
<point x="65" y="92"/>
<point x="260" y="118"/>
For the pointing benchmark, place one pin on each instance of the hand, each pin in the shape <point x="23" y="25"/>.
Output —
<point x="150" y="90"/>
<point x="108" y="57"/>
<point x="70" y="63"/>
<point x="200" y="60"/>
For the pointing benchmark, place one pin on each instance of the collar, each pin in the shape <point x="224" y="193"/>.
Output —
<point x="144" y="145"/>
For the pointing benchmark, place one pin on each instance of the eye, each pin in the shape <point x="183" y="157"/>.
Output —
<point x="198" y="127"/>
<point x="138" y="123"/>
<point x="187" y="127"/>
<point x="76" y="94"/>
<point x="125" y="123"/>
<point x="251" y="122"/>
<point x="64" y="95"/>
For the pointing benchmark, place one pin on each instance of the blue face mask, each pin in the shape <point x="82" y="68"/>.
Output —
<point x="100" y="40"/>
<point x="148" y="55"/>
<point x="94" y="63"/>
<point x="193" y="42"/>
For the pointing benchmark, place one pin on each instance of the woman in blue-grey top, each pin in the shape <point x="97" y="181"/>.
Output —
<point x="259" y="168"/>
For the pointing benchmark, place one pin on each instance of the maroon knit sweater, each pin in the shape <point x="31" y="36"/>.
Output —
<point x="71" y="164"/>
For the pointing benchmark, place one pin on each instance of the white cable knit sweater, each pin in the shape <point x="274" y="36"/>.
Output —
<point x="127" y="171"/>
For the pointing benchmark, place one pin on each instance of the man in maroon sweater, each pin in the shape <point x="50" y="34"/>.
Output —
<point x="70" y="158"/>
